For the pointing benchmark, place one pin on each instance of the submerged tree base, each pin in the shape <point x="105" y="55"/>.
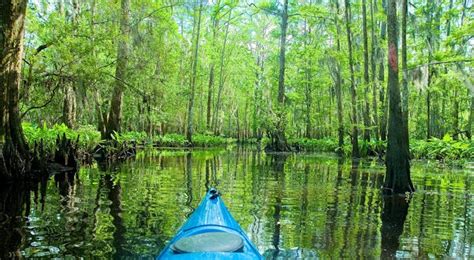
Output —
<point x="278" y="142"/>
<point x="42" y="162"/>
<point x="12" y="164"/>
<point x="112" y="150"/>
<point x="397" y="176"/>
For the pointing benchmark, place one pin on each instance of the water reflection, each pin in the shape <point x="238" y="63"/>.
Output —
<point x="395" y="210"/>
<point x="304" y="205"/>
<point x="13" y="203"/>
<point x="115" y="197"/>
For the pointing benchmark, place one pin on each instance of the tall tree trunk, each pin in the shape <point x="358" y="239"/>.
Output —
<point x="69" y="106"/>
<point x="221" y="77"/>
<point x="338" y="83"/>
<point x="210" y="89"/>
<point x="456" y="127"/>
<point x="366" y="73"/>
<point x="115" y="112"/>
<point x="69" y="102"/>
<point x="189" y="131"/>
<point x="13" y="160"/>
<point x="257" y="98"/>
<point x="100" y="114"/>
<point x="428" y="107"/>
<point x="404" y="90"/>
<point x="355" y="132"/>
<point x="432" y="108"/>
<point x="397" y="177"/>
<point x="383" y="97"/>
<point x="237" y="120"/>
<point x="373" y="71"/>
<point x="279" y="142"/>
<point x="308" y="95"/>
<point x="456" y="114"/>
<point x="308" y="89"/>
<point x="471" y="118"/>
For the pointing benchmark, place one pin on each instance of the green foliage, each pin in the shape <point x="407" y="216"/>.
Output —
<point x="199" y="140"/>
<point x="89" y="137"/>
<point x="171" y="140"/>
<point x="131" y="136"/>
<point x="445" y="149"/>
<point x="209" y="140"/>
<point x="371" y="148"/>
<point x="79" y="50"/>
<point x="319" y="145"/>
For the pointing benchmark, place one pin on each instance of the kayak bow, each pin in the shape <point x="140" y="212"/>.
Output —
<point x="210" y="233"/>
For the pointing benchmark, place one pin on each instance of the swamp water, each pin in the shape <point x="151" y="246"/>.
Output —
<point x="291" y="206"/>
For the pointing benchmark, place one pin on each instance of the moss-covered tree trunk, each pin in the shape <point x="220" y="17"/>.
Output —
<point x="115" y="112"/>
<point x="69" y="102"/>
<point x="355" y="131"/>
<point x="471" y="118"/>
<point x="366" y="116"/>
<point x="381" y="78"/>
<point x="14" y="158"/>
<point x="189" y="130"/>
<point x="210" y="89"/>
<point x="397" y="177"/>
<point x="373" y="69"/>
<point x="308" y="84"/>
<point x="338" y="87"/>
<point x="404" y="90"/>
<point x="221" y="78"/>
<point x="69" y="106"/>
<point x="278" y="140"/>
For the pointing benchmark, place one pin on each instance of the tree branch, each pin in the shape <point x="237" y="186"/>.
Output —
<point x="440" y="62"/>
<point x="141" y="93"/>
<point x="45" y="104"/>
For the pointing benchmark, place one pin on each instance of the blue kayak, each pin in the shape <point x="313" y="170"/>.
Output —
<point x="210" y="233"/>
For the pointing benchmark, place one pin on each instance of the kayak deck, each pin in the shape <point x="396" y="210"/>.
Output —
<point x="210" y="233"/>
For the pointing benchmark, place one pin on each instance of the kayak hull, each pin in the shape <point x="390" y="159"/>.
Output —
<point x="211" y="216"/>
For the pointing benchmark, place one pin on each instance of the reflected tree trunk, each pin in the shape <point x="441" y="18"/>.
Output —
<point x="351" y="209"/>
<point x="14" y="205"/>
<point x="304" y="207"/>
<point x="332" y="210"/>
<point x="188" y="173"/>
<point x="115" y="196"/>
<point x="278" y="166"/>
<point x="395" y="210"/>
